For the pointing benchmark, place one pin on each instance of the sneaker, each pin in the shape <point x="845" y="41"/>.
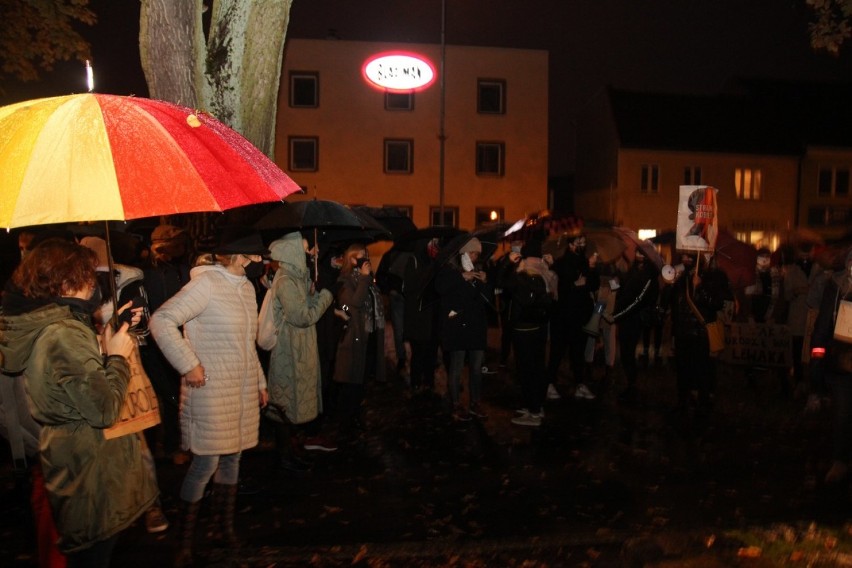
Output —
<point x="319" y="443"/>
<point x="155" y="520"/>
<point x="487" y="371"/>
<point x="552" y="393"/>
<point x="582" y="391"/>
<point x="528" y="419"/>
<point x="526" y="411"/>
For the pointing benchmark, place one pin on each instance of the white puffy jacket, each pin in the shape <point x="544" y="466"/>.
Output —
<point x="218" y="312"/>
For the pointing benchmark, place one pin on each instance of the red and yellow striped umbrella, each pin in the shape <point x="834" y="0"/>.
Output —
<point x="93" y="157"/>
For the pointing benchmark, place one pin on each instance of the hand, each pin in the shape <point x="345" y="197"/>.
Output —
<point x="264" y="397"/>
<point x="119" y="342"/>
<point x="313" y="288"/>
<point x="366" y="268"/>
<point x="341" y="314"/>
<point x="468" y="276"/>
<point x="481" y="276"/>
<point x="581" y="281"/>
<point x="196" y="378"/>
<point x="137" y="313"/>
<point x="548" y="259"/>
<point x="608" y="319"/>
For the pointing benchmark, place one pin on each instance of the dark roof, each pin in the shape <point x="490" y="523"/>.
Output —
<point x="768" y="119"/>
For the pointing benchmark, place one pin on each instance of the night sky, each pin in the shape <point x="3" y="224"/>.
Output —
<point x="681" y="46"/>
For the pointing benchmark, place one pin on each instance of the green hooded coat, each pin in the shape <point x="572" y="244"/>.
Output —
<point x="96" y="487"/>
<point x="295" y="384"/>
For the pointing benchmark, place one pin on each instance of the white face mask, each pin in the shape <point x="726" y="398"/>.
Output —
<point x="763" y="262"/>
<point x="466" y="263"/>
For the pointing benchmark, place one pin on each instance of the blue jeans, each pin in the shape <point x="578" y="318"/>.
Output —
<point x="454" y="375"/>
<point x="226" y="468"/>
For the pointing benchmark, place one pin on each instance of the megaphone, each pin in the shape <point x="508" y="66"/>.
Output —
<point x="593" y="326"/>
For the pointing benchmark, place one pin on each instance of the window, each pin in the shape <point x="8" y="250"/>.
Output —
<point x="650" y="178"/>
<point x="304" y="89"/>
<point x="490" y="158"/>
<point x="486" y="215"/>
<point x="692" y="175"/>
<point x="829" y="216"/>
<point x="748" y="183"/>
<point x="450" y="219"/>
<point x="491" y="96"/>
<point x="304" y="155"/>
<point x="833" y="182"/>
<point x="399" y="155"/>
<point x="399" y="101"/>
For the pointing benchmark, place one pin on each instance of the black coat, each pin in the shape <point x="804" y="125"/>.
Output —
<point x="463" y="311"/>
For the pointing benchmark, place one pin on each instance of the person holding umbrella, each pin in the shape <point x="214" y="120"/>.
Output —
<point x="222" y="385"/>
<point x="97" y="487"/>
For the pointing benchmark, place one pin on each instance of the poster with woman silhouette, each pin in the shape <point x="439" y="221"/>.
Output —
<point x="697" y="218"/>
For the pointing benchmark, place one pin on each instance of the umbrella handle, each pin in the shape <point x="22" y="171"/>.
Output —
<point x="111" y="265"/>
<point x="316" y="257"/>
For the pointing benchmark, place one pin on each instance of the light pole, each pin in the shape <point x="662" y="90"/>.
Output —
<point x="442" y="137"/>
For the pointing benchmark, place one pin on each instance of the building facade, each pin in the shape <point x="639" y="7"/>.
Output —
<point x="343" y="139"/>
<point x="636" y="149"/>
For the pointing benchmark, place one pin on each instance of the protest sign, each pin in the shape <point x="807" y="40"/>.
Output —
<point x="697" y="218"/>
<point x="140" y="409"/>
<point x="758" y="344"/>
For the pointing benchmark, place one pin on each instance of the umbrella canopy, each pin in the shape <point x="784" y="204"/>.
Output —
<point x="409" y="240"/>
<point x="93" y="157"/>
<point x="543" y="225"/>
<point x="612" y="243"/>
<point x="331" y="221"/>
<point x="736" y="259"/>
<point x="392" y="218"/>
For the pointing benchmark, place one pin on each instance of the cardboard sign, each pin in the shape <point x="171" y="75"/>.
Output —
<point x="141" y="409"/>
<point x="697" y="218"/>
<point x="758" y="345"/>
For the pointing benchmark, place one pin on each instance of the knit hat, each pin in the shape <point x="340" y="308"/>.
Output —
<point x="473" y="245"/>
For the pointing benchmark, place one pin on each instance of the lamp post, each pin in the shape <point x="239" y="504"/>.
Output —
<point x="442" y="137"/>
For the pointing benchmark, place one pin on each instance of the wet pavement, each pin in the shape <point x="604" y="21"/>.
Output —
<point x="598" y="484"/>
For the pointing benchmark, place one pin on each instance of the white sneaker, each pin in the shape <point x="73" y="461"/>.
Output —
<point x="552" y="393"/>
<point x="525" y="412"/>
<point x="582" y="391"/>
<point x="527" y="420"/>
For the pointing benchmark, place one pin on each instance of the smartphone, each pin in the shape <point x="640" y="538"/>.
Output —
<point x="127" y="315"/>
<point x="361" y="261"/>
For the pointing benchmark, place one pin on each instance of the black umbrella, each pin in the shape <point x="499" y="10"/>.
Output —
<point x="330" y="221"/>
<point x="410" y="239"/>
<point x="392" y="218"/>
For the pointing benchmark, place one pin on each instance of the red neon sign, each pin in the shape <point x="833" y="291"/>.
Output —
<point x="398" y="71"/>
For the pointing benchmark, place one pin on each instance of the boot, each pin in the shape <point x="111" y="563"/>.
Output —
<point x="224" y="505"/>
<point x="188" y="520"/>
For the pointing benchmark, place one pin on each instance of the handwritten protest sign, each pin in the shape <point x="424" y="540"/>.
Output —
<point x="758" y="345"/>
<point x="141" y="409"/>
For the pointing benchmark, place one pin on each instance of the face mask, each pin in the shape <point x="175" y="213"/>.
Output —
<point x="466" y="263"/>
<point x="762" y="262"/>
<point x="94" y="302"/>
<point x="254" y="269"/>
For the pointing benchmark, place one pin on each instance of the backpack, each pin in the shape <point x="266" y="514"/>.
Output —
<point x="531" y="302"/>
<point x="267" y="327"/>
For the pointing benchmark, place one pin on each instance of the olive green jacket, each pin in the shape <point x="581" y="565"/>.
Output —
<point x="96" y="487"/>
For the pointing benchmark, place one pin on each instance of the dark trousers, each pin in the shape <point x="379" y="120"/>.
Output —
<point x="529" y="348"/>
<point x="570" y="340"/>
<point x="629" y="332"/>
<point x="695" y="369"/>
<point x="841" y="389"/>
<point x="350" y="398"/>
<point x="96" y="556"/>
<point x="424" y="356"/>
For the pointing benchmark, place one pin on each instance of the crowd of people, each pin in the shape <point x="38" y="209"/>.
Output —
<point x="197" y="327"/>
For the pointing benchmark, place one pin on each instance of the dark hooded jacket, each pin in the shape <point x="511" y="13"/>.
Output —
<point x="96" y="487"/>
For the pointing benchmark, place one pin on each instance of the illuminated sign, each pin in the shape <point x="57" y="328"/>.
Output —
<point x="398" y="72"/>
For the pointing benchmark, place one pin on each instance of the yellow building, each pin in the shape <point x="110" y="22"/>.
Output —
<point x="344" y="139"/>
<point x="636" y="149"/>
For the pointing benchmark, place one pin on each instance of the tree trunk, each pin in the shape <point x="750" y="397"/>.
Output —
<point x="234" y="74"/>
